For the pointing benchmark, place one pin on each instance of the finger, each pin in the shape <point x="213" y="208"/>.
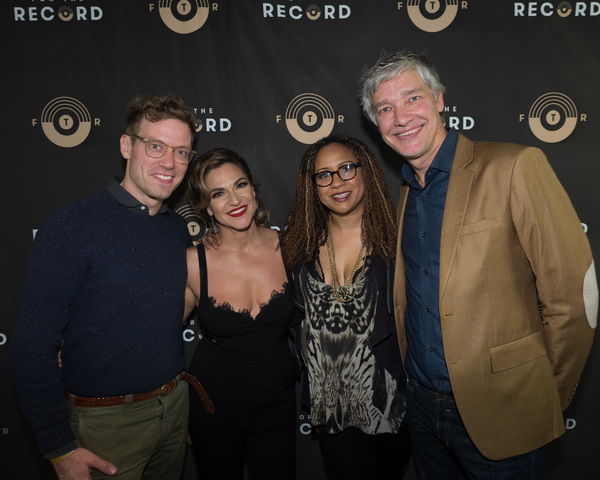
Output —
<point x="105" y="467"/>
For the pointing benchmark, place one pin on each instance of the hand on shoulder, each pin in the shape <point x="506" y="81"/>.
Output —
<point x="210" y="240"/>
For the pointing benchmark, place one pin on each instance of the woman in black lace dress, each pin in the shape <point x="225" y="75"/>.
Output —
<point x="245" y="309"/>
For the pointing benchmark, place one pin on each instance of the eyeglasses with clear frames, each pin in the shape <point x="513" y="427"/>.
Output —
<point x="346" y="172"/>
<point x="157" y="149"/>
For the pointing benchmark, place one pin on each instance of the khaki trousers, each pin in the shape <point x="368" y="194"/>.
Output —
<point x="144" y="440"/>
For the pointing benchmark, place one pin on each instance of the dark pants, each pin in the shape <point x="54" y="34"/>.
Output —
<point x="222" y="445"/>
<point x="354" y="455"/>
<point x="444" y="450"/>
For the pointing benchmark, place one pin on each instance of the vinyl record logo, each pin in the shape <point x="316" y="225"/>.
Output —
<point x="196" y="226"/>
<point x="432" y="15"/>
<point x="66" y="122"/>
<point x="553" y="117"/>
<point x="564" y="9"/>
<point x="183" y="16"/>
<point x="309" y="117"/>
<point x="313" y="12"/>
<point x="65" y="13"/>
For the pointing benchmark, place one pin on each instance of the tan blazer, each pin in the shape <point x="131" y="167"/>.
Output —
<point x="518" y="296"/>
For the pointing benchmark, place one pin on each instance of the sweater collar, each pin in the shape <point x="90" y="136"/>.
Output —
<point x="128" y="200"/>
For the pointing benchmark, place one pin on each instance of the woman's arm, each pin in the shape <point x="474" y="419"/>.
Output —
<point x="192" y="288"/>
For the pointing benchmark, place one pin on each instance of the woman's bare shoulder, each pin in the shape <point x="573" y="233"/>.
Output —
<point x="271" y="238"/>
<point x="192" y="254"/>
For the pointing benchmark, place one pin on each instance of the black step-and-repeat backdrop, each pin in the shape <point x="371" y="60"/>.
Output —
<point x="267" y="78"/>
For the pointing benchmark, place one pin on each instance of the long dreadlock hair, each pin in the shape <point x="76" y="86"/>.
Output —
<point x="306" y="226"/>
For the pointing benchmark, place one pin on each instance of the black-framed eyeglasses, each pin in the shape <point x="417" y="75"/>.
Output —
<point x="324" y="178"/>
<point x="157" y="149"/>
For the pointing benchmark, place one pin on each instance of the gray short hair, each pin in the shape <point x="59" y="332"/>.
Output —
<point x="392" y="65"/>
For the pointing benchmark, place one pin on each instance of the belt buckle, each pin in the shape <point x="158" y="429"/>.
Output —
<point x="167" y="387"/>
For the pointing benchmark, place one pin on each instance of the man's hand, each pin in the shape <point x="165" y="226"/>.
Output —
<point x="210" y="240"/>
<point x="78" y="465"/>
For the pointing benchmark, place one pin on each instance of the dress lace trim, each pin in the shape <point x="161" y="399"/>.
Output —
<point x="227" y="306"/>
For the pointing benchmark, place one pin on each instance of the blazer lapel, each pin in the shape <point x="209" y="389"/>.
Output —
<point x="400" y="275"/>
<point x="457" y="199"/>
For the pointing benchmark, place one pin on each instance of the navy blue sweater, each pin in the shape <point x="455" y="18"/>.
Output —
<point x="110" y="282"/>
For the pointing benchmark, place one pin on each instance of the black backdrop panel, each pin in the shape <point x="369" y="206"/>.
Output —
<point x="266" y="79"/>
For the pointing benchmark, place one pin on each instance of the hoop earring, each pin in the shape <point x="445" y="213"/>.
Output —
<point x="213" y="226"/>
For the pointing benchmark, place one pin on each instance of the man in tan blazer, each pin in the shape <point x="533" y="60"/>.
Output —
<point x="495" y="292"/>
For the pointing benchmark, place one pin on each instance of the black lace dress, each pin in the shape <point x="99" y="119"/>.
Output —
<point x="246" y="366"/>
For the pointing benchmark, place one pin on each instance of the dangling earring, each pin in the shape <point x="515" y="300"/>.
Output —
<point x="255" y="204"/>
<point x="213" y="226"/>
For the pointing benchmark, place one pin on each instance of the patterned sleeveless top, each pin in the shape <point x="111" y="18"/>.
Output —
<point x="348" y="386"/>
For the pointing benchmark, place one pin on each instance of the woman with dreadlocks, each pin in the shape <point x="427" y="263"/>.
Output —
<point x="340" y="239"/>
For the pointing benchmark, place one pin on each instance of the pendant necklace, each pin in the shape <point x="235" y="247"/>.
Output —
<point x="342" y="292"/>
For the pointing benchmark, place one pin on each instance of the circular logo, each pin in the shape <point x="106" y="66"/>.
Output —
<point x="65" y="13"/>
<point x="564" y="9"/>
<point x="196" y="226"/>
<point x="553" y="117"/>
<point x="183" y="16"/>
<point x="313" y="12"/>
<point x="309" y="117"/>
<point x="432" y="15"/>
<point x="66" y="122"/>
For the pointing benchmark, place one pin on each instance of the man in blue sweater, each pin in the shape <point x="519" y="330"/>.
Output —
<point x="105" y="286"/>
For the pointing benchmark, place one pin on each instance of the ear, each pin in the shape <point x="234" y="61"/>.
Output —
<point x="440" y="102"/>
<point x="209" y="211"/>
<point x="125" y="144"/>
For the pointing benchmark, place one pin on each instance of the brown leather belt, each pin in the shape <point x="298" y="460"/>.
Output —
<point x="92" y="402"/>
<point x="204" y="398"/>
